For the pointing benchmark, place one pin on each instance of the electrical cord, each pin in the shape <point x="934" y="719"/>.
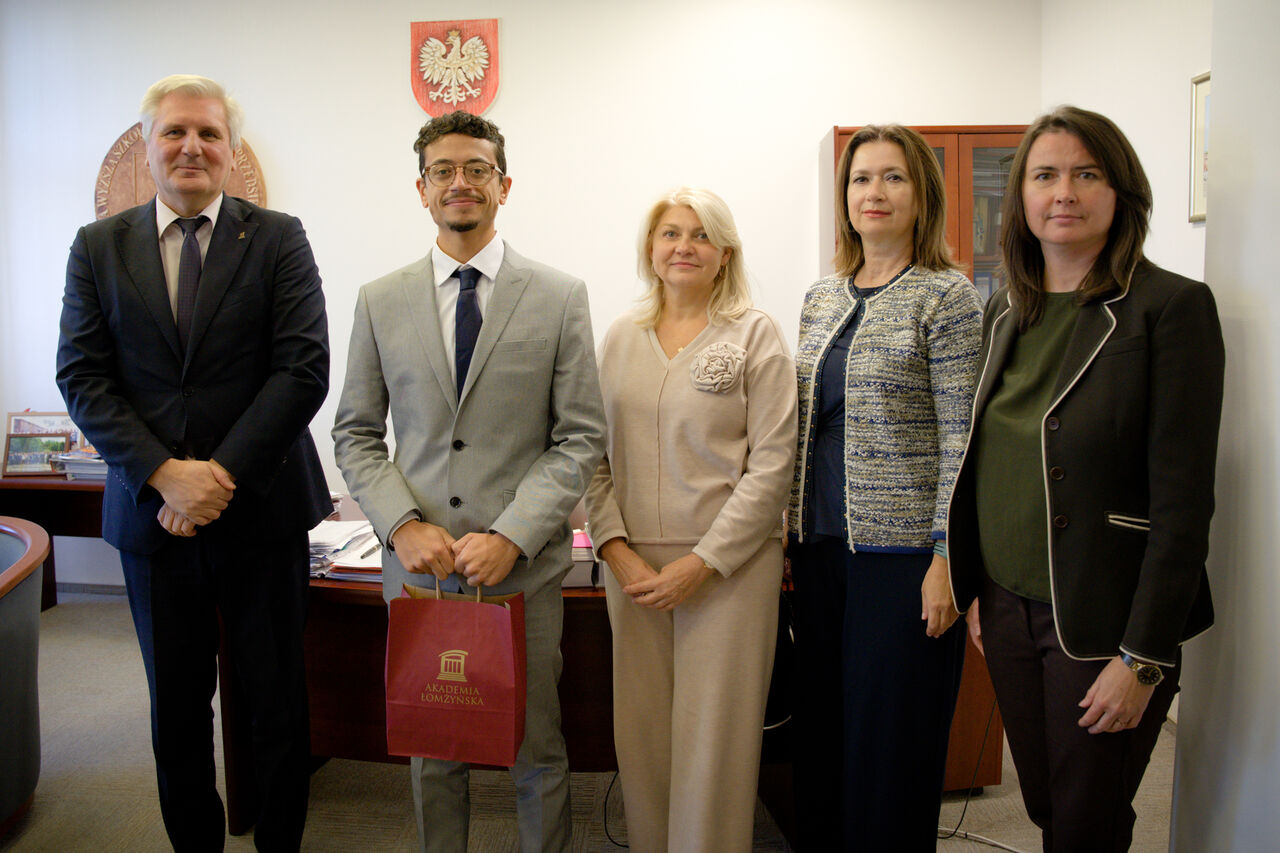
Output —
<point x="944" y="833"/>
<point x="607" y="833"/>
<point x="954" y="832"/>
<point x="981" y="839"/>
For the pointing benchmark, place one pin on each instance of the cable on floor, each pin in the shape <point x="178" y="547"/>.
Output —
<point x="605" y="821"/>
<point x="954" y="832"/>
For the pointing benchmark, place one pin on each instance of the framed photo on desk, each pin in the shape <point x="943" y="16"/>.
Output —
<point x="28" y="453"/>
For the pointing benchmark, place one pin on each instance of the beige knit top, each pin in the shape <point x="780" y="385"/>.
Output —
<point x="700" y="447"/>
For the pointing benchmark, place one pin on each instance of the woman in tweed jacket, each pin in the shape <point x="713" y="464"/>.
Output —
<point x="886" y="364"/>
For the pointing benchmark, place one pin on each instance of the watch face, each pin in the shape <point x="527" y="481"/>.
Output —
<point x="1149" y="675"/>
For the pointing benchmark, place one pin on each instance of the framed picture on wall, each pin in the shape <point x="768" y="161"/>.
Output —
<point x="1199" y="147"/>
<point x="31" y="422"/>
<point x="28" y="453"/>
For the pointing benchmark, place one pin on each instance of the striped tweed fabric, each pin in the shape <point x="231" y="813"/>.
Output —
<point x="908" y="395"/>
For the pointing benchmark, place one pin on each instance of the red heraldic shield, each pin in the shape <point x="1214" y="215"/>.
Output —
<point x="453" y="65"/>
<point x="456" y="676"/>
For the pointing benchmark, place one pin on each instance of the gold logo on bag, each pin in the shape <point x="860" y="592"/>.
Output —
<point x="452" y="665"/>
<point x="452" y="668"/>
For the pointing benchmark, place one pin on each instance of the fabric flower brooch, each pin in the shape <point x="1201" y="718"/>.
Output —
<point x="718" y="367"/>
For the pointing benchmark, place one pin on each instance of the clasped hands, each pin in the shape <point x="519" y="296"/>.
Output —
<point x="195" y="492"/>
<point x="648" y="587"/>
<point x="483" y="558"/>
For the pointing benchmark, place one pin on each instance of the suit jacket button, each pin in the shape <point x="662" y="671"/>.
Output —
<point x="1053" y="423"/>
<point x="1059" y="521"/>
<point x="187" y="392"/>
<point x="1056" y="473"/>
<point x="455" y="502"/>
<point x="458" y="444"/>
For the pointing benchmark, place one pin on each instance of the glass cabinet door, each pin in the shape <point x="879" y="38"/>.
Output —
<point x="946" y="148"/>
<point x="982" y="187"/>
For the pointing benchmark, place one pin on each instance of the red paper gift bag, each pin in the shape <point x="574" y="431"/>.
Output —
<point x="456" y="676"/>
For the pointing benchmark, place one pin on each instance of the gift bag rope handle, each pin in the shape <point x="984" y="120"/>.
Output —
<point x="479" y="590"/>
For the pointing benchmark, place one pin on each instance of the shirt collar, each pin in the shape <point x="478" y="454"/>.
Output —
<point x="488" y="260"/>
<point x="165" y="216"/>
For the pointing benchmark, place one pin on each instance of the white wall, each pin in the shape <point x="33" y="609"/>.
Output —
<point x="603" y="106"/>
<point x="1228" y="762"/>
<point x="1133" y="61"/>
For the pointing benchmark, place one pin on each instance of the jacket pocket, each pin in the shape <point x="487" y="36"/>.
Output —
<point x="1128" y="522"/>
<point x="1117" y="346"/>
<point x="530" y="345"/>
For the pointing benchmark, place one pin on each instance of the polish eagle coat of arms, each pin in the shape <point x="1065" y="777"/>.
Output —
<point x="454" y="65"/>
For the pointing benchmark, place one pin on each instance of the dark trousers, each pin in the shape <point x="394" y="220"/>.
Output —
<point x="176" y="596"/>
<point x="874" y="700"/>
<point x="1077" y="787"/>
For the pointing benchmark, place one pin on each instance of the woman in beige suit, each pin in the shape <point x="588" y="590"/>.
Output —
<point x="700" y="401"/>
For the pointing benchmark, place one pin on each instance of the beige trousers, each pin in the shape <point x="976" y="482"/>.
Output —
<point x="689" y="690"/>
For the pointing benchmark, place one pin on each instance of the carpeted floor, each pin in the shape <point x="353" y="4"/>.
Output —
<point x="97" y="783"/>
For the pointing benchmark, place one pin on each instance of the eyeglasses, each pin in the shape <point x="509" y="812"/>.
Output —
<point x="476" y="172"/>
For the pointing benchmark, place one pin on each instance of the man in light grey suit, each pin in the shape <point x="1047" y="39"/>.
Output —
<point x="486" y="363"/>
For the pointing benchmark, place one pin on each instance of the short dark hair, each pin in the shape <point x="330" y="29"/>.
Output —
<point x="1122" y="254"/>
<point x="462" y="122"/>
<point x="929" y="242"/>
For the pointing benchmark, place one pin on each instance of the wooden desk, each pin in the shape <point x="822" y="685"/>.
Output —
<point x="62" y="507"/>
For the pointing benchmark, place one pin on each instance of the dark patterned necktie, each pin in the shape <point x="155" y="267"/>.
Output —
<point x="467" y="323"/>
<point x="188" y="275"/>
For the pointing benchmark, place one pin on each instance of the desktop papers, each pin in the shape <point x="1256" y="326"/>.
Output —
<point x="346" y="550"/>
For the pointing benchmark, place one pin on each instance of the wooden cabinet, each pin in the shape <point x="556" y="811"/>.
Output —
<point x="975" y="163"/>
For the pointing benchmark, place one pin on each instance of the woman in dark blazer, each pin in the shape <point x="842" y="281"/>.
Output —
<point x="1080" y="517"/>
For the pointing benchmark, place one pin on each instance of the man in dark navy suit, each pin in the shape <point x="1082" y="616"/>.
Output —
<point x="193" y="354"/>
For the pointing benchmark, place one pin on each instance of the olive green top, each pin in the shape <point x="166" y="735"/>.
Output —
<point x="1009" y="471"/>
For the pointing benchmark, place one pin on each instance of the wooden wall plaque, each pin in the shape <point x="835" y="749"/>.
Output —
<point x="124" y="181"/>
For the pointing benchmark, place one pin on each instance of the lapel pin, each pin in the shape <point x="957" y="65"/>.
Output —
<point x="241" y="235"/>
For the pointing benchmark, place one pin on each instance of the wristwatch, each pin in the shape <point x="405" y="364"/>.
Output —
<point x="1149" y="675"/>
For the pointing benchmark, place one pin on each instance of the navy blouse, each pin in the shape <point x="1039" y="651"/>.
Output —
<point x="827" y="516"/>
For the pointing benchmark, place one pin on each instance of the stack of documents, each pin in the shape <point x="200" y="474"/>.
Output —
<point x="346" y="550"/>
<point x="82" y="465"/>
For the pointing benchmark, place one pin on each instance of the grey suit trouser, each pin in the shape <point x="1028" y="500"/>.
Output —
<point x="541" y="772"/>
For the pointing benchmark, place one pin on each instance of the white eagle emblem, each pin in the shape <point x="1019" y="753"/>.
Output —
<point x="456" y="70"/>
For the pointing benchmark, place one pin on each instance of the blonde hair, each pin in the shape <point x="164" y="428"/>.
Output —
<point x="197" y="87"/>
<point x="730" y="293"/>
